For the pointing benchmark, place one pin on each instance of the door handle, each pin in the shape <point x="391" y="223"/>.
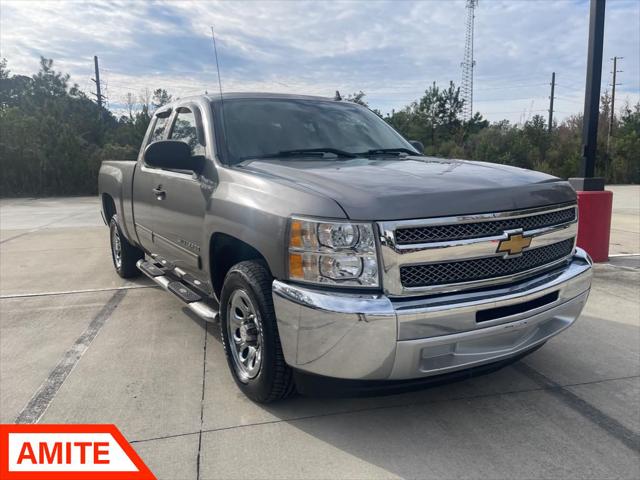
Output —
<point x="159" y="193"/>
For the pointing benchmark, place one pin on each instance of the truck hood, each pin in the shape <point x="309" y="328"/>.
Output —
<point x="417" y="187"/>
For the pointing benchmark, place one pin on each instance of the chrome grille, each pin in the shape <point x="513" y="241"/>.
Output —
<point x="450" y="254"/>
<point x="412" y="276"/>
<point x="461" y="231"/>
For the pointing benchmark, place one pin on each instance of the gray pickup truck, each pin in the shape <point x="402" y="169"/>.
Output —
<point x="334" y="253"/>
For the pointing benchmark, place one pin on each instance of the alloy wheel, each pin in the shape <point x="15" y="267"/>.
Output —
<point x="244" y="329"/>
<point x="116" y="247"/>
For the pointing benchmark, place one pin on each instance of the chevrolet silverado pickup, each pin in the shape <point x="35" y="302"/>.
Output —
<point x="331" y="249"/>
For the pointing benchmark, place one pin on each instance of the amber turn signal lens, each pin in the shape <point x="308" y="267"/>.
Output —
<point x="295" y="266"/>
<point x="296" y="235"/>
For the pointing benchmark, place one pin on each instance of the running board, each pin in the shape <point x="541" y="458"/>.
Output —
<point x="193" y="300"/>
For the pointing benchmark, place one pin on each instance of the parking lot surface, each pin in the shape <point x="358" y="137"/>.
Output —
<point x="80" y="345"/>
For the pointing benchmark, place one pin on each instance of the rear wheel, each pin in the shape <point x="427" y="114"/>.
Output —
<point x="124" y="254"/>
<point x="250" y="334"/>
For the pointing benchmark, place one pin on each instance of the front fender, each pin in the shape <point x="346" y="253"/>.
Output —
<point x="256" y="210"/>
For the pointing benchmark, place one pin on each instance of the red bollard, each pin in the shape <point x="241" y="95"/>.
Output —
<point x="594" y="225"/>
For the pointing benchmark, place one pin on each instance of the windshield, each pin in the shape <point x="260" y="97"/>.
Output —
<point x="265" y="127"/>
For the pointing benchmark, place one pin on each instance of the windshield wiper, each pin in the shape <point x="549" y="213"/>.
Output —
<point x="389" y="151"/>
<point x="308" y="151"/>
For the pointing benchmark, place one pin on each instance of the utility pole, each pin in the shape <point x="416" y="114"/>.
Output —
<point x="613" y="100"/>
<point x="553" y="87"/>
<point x="97" y="82"/>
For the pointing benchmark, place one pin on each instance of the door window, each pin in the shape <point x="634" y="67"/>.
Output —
<point x="159" y="129"/>
<point x="186" y="130"/>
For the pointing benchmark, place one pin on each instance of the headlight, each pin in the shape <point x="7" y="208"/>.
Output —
<point x="338" y="253"/>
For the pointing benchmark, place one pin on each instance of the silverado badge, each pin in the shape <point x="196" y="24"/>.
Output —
<point x="514" y="244"/>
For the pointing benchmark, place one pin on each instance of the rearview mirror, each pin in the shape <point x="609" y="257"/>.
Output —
<point x="417" y="145"/>
<point x="172" y="155"/>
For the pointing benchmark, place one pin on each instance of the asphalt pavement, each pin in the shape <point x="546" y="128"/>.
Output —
<point x="78" y="344"/>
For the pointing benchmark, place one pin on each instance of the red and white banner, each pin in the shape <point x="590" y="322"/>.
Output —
<point x="72" y="452"/>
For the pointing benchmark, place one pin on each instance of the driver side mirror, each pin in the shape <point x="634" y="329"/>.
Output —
<point x="172" y="155"/>
<point x="417" y="145"/>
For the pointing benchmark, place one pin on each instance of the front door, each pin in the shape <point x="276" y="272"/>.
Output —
<point x="145" y="180"/>
<point x="179" y="216"/>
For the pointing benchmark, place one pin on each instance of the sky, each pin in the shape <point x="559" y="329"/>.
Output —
<point x="391" y="50"/>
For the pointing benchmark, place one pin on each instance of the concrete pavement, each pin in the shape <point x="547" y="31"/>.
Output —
<point x="625" y="223"/>
<point x="570" y="410"/>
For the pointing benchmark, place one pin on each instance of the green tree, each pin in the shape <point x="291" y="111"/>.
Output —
<point x="53" y="137"/>
<point x="160" y="98"/>
<point x="357" y="98"/>
<point x="625" y="164"/>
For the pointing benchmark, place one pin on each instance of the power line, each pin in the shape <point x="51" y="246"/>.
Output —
<point x="141" y="86"/>
<point x="514" y="111"/>
<point x="572" y="86"/>
<point x="571" y="99"/>
<point x="510" y="86"/>
<point x="188" y="89"/>
<point x="519" y="98"/>
<point x="538" y="77"/>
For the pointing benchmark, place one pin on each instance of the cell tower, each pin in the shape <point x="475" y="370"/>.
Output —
<point x="466" y="86"/>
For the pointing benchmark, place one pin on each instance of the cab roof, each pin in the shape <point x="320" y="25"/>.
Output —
<point x="287" y="96"/>
<point x="216" y="98"/>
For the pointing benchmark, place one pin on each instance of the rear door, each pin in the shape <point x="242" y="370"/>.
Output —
<point x="179" y="216"/>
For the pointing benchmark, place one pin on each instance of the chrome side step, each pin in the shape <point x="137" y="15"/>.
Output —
<point x="193" y="300"/>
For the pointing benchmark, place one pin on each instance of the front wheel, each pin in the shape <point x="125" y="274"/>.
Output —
<point x="250" y="334"/>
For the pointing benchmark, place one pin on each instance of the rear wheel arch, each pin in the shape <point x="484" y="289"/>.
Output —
<point x="108" y="207"/>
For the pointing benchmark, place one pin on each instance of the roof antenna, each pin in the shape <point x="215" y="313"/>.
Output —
<point x="215" y="51"/>
<point x="337" y="97"/>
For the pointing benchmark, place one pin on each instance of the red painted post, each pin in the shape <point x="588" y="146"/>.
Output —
<point x="594" y="227"/>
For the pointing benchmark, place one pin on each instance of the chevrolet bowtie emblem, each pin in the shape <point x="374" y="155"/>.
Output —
<point x="514" y="244"/>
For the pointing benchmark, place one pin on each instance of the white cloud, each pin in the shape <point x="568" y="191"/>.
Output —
<point x="391" y="50"/>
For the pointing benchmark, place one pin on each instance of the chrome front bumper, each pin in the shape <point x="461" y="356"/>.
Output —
<point x="374" y="337"/>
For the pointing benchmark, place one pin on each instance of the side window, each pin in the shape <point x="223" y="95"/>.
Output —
<point x="185" y="129"/>
<point x="158" y="129"/>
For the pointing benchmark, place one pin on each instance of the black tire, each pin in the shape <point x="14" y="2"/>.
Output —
<point x="129" y="254"/>
<point x="274" y="380"/>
